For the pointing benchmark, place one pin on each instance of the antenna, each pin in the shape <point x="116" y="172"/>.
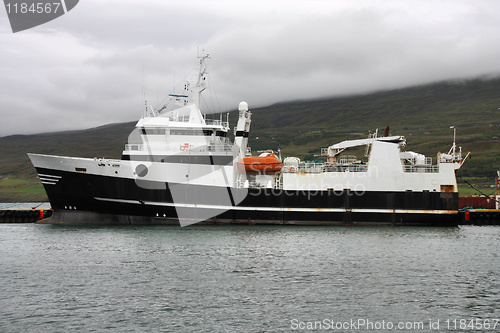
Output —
<point x="173" y="90"/>
<point x="143" y="82"/>
<point x="453" y="148"/>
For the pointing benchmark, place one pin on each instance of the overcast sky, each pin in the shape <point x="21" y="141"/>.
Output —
<point x="95" y="64"/>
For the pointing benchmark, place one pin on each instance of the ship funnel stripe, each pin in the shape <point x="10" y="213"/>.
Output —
<point x="242" y="133"/>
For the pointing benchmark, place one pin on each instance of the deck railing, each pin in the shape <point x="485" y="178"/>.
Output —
<point x="134" y="147"/>
<point x="421" y="168"/>
<point x="215" y="122"/>
<point x="219" y="144"/>
<point x="324" y="167"/>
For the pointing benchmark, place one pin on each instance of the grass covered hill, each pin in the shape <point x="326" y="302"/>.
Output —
<point x="423" y="114"/>
<point x="18" y="178"/>
<point x="104" y="141"/>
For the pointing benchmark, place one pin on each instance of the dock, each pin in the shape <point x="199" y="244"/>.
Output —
<point x="479" y="217"/>
<point x="481" y="210"/>
<point x="465" y="216"/>
<point x="23" y="215"/>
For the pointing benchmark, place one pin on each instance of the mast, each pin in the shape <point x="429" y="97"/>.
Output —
<point x="454" y="146"/>
<point x="242" y="128"/>
<point x="201" y="82"/>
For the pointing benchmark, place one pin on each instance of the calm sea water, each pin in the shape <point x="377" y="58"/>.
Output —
<point x="24" y="205"/>
<point x="248" y="279"/>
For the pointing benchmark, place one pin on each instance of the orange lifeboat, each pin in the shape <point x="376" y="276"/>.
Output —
<point x="265" y="163"/>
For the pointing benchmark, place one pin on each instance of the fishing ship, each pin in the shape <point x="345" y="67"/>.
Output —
<point x="180" y="167"/>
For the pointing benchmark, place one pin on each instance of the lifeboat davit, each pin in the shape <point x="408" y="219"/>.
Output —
<point x="266" y="163"/>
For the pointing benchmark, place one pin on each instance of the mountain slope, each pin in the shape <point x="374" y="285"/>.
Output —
<point x="423" y="114"/>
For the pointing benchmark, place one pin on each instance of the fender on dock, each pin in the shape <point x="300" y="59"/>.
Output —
<point x="23" y="215"/>
<point x="480" y="217"/>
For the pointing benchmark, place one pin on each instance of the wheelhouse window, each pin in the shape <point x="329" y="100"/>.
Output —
<point x="221" y="133"/>
<point x="185" y="132"/>
<point x="153" y="131"/>
<point x="191" y="132"/>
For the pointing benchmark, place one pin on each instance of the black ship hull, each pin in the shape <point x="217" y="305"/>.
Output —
<point x="80" y="198"/>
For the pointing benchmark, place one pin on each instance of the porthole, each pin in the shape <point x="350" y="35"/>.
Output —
<point x="141" y="170"/>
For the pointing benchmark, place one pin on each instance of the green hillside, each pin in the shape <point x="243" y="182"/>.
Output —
<point x="18" y="177"/>
<point x="423" y="114"/>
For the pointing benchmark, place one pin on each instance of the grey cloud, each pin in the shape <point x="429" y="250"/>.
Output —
<point x="91" y="66"/>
